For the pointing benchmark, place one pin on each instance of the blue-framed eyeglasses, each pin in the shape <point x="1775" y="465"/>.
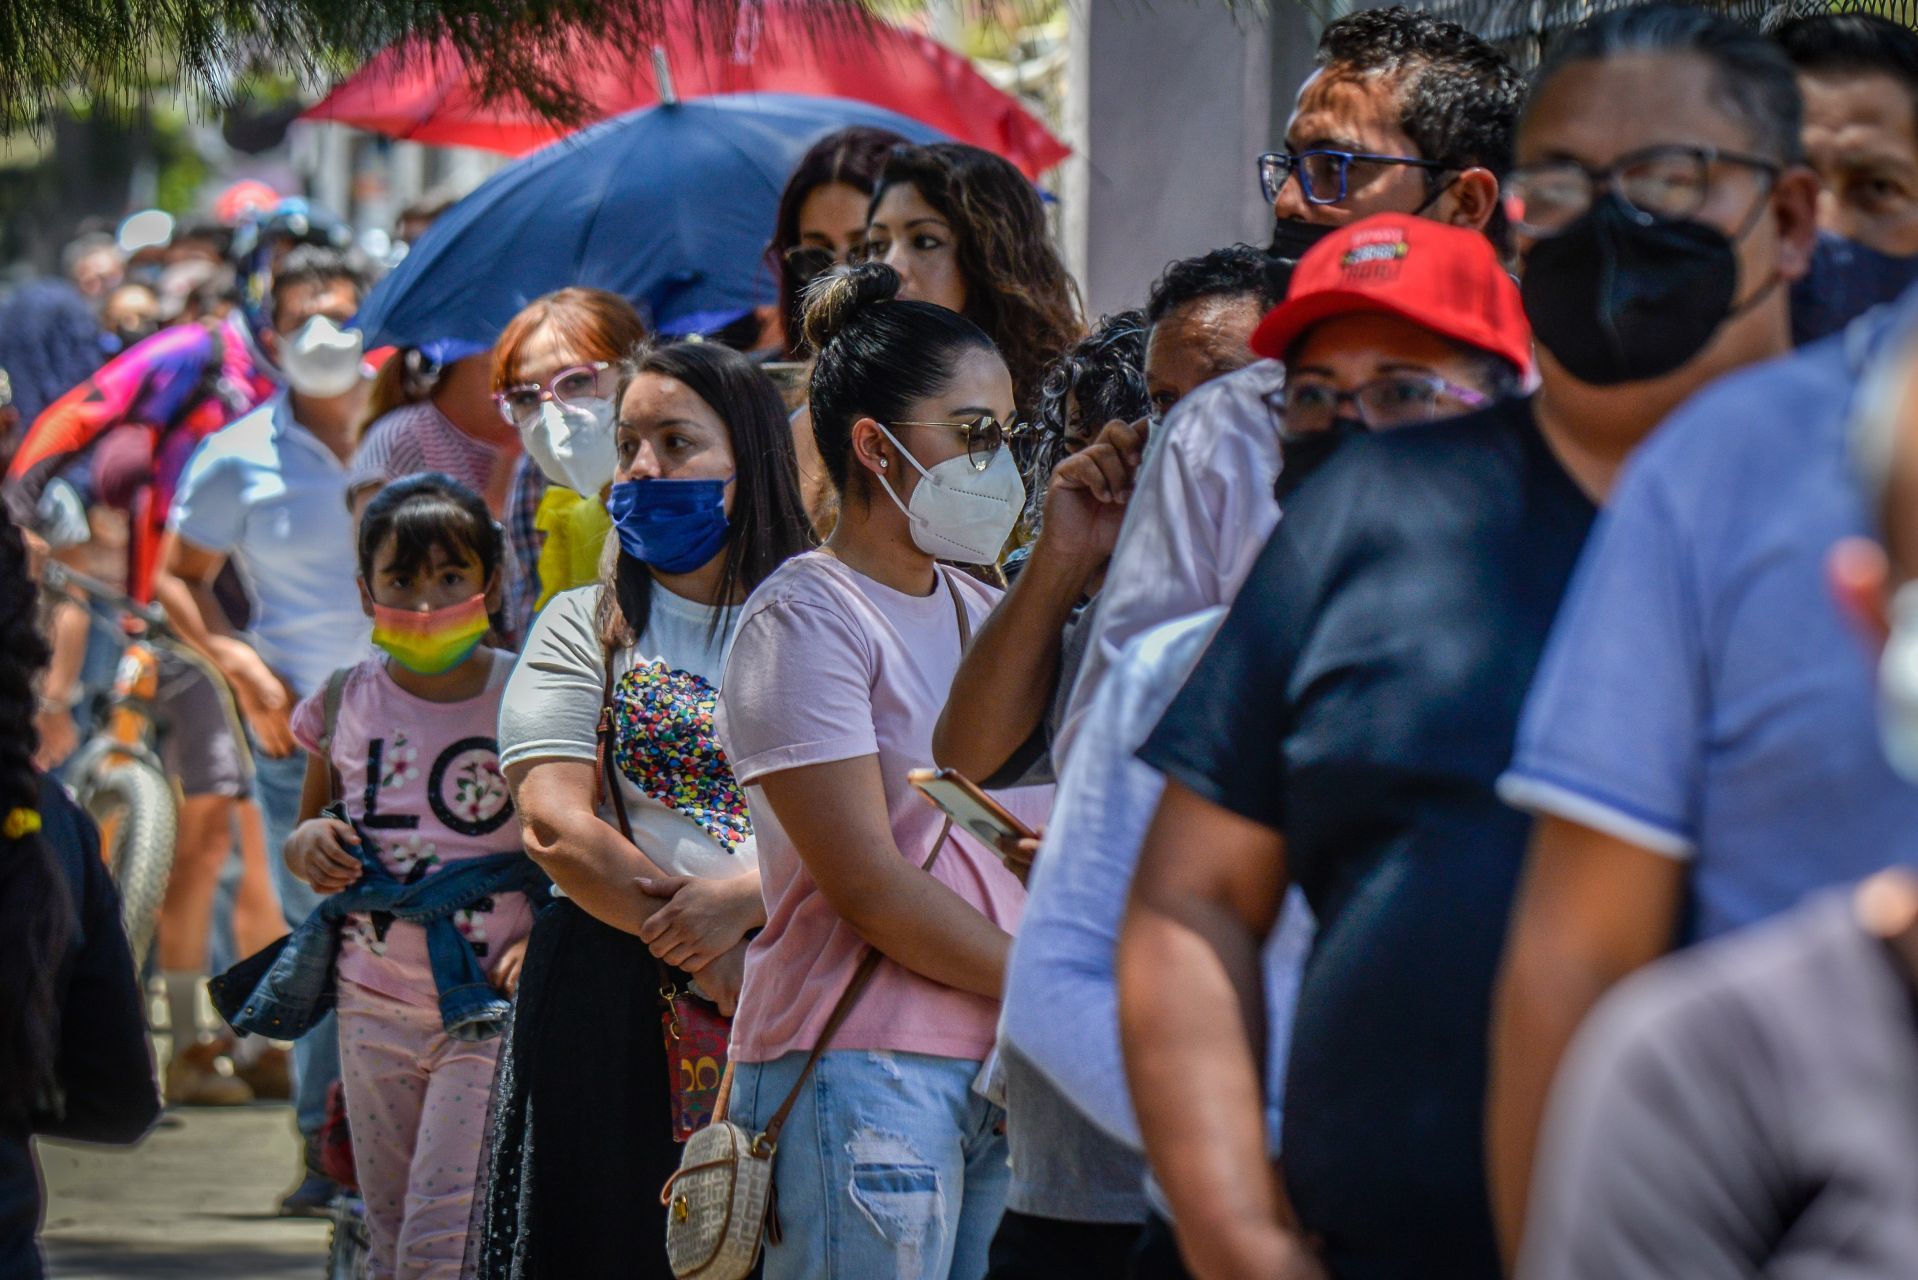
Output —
<point x="1325" y="175"/>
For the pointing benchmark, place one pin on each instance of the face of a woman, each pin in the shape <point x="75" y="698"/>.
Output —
<point x="912" y="238"/>
<point x="980" y="387"/>
<point x="545" y="353"/>
<point x="666" y="432"/>
<point x="833" y="218"/>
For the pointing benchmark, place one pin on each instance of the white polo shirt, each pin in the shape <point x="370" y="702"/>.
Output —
<point x="265" y="492"/>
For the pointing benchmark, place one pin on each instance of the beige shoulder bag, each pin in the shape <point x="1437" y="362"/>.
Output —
<point x="720" y="1205"/>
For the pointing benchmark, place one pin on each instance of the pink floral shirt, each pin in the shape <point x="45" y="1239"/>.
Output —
<point x="423" y="780"/>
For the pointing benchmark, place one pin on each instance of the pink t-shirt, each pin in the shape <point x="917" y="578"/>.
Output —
<point x="422" y="779"/>
<point x="831" y="665"/>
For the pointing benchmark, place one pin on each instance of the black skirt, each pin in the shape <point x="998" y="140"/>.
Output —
<point x="580" y="1138"/>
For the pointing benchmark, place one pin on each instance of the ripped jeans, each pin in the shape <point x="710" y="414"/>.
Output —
<point x="889" y="1166"/>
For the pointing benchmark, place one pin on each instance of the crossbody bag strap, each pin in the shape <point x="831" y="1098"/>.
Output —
<point x="768" y="1141"/>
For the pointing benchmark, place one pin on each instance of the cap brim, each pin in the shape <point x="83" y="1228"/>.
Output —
<point x="1284" y="323"/>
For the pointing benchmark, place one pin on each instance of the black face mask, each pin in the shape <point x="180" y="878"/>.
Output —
<point x="1291" y="237"/>
<point x="1616" y="300"/>
<point x="1301" y="455"/>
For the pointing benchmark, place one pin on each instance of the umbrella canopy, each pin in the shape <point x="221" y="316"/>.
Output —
<point x="670" y="207"/>
<point x="431" y="95"/>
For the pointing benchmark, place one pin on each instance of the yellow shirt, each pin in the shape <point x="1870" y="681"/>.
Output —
<point x="575" y="527"/>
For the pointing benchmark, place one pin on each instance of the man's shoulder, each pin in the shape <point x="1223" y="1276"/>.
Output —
<point x="1736" y="999"/>
<point x="1756" y="423"/>
<point x="249" y="437"/>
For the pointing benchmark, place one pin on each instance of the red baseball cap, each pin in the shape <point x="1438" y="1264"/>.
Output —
<point x="1439" y="277"/>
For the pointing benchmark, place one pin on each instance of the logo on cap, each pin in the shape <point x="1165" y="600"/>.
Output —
<point x="1375" y="254"/>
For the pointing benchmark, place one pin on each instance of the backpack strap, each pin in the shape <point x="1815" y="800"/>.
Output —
<point x="330" y="701"/>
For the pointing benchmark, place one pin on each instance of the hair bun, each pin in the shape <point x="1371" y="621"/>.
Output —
<point x="835" y="299"/>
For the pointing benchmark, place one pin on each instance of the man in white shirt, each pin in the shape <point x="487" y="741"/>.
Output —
<point x="1205" y="502"/>
<point x="269" y="493"/>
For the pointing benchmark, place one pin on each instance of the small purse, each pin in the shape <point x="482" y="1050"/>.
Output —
<point x="720" y="1203"/>
<point x="694" y="1030"/>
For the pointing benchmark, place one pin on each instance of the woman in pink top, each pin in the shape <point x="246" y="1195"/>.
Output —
<point x="890" y="1164"/>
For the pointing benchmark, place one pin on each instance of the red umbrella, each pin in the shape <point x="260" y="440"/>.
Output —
<point x="432" y="96"/>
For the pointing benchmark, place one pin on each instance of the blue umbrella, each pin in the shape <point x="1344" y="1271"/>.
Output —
<point x="670" y="207"/>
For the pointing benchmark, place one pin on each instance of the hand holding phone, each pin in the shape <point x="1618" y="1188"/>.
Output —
<point x="982" y="816"/>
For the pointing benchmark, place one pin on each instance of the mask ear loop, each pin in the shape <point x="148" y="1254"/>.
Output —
<point x="886" y="484"/>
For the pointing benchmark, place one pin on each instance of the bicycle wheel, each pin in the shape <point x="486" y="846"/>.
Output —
<point x="133" y="803"/>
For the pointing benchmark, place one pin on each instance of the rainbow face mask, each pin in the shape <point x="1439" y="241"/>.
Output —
<point x="434" y="642"/>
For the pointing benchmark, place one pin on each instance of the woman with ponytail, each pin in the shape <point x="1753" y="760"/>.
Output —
<point x="645" y="832"/>
<point x="888" y="1162"/>
<point x="74" y="1061"/>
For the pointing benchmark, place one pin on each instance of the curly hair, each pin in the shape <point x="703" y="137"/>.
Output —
<point x="1104" y="373"/>
<point x="1238" y="270"/>
<point x="1017" y="287"/>
<point x="35" y="903"/>
<point x="1459" y="98"/>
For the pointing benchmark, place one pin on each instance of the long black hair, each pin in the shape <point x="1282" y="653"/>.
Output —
<point x="36" y="916"/>
<point x="852" y="156"/>
<point x="878" y="356"/>
<point x="768" y="524"/>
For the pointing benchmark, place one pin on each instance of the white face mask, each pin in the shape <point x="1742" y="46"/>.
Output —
<point x="321" y="359"/>
<point x="1898" y="685"/>
<point x="960" y="514"/>
<point x="573" y="444"/>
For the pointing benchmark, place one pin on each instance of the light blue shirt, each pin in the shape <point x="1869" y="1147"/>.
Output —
<point x="1701" y="696"/>
<point x="1062" y="1004"/>
<point x="267" y="493"/>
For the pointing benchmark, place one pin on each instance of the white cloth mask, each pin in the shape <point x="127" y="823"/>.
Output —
<point x="1898" y="685"/>
<point x="321" y="359"/>
<point x="960" y="514"/>
<point x="573" y="444"/>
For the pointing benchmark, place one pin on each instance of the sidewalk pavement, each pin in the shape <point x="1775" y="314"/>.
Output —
<point x="196" y="1199"/>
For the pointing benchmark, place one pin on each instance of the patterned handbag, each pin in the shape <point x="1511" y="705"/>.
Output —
<point x="696" y="1035"/>
<point x="694" y="1030"/>
<point x="720" y="1202"/>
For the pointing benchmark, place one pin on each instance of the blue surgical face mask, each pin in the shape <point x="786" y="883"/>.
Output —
<point x="673" y="525"/>
<point x="1846" y="280"/>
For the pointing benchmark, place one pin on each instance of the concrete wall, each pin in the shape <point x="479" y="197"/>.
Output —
<point x="1170" y="102"/>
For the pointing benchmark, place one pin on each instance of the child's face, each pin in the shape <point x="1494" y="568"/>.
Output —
<point x="440" y="582"/>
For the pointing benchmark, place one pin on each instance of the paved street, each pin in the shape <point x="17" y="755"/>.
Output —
<point x="196" y="1199"/>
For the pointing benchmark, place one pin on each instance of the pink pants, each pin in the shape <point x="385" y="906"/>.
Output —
<point x="416" y="1101"/>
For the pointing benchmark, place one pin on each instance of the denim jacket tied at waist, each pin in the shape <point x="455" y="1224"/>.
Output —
<point x="298" y="988"/>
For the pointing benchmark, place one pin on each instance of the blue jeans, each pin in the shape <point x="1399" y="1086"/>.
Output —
<point x="316" y="1055"/>
<point x="890" y="1165"/>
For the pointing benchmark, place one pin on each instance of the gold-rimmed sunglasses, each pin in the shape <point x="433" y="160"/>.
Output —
<point x="985" y="436"/>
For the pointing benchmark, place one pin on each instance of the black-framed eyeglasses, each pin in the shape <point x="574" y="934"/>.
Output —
<point x="1325" y="175"/>
<point x="519" y="404"/>
<point x="1392" y="401"/>
<point x="985" y="436"/>
<point x="1669" y="183"/>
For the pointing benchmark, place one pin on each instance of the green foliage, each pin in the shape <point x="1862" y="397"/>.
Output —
<point x="54" y="53"/>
